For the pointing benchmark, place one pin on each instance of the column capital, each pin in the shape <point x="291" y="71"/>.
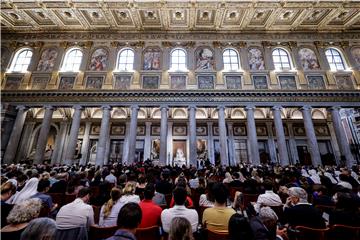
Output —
<point x="306" y="108"/>
<point x="106" y="107"/>
<point x="191" y="107"/>
<point x="134" y="107"/>
<point x="277" y="108"/>
<point x="164" y="107"/>
<point x="50" y="107"/>
<point x="334" y="108"/>
<point x="250" y="107"/>
<point x="78" y="107"/>
<point x="221" y="107"/>
<point x="22" y="107"/>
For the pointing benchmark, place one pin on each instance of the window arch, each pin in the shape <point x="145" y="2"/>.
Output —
<point x="281" y="59"/>
<point x="72" y="60"/>
<point x="334" y="59"/>
<point x="125" y="60"/>
<point x="231" y="60"/>
<point x="178" y="60"/>
<point x="21" y="60"/>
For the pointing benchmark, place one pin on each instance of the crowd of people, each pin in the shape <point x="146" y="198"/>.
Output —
<point x="185" y="203"/>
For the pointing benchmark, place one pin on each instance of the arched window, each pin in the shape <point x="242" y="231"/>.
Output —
<point x="281" y="59"/>
<point x="178" y="60"/>
<point x="231" y="60"/>
<point x="125" y="61"/>
<point x="72" y="60"/>
<point x="21" y="60"/>
<point x="335" y="59"/>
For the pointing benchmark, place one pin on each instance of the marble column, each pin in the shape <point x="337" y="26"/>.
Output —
<point x="334" y="143"/>
<point x="271" y="143"/>
<point x="341" y="136"/>
<point x="85" y="144"/>
<point x="104" y="134"/>
<point x="251" y="129"/>
<point x="132" y="134"/>
<point x="210" y="142"/>
<point x="311" y="137"/>
<point x="292" y="144"/>
<point x="147" y="145"/>
<point x="107" y="149"/>
<point x="11" y="148"/>
<point x="74" y="132"/>
<point x="222" y="136"/>
<point x="170" y="157"/>
<point x="232" y="160"/>
<point x="25" y="141"/>
<point x="126" y="144"/>
<point x="163" y="135"/>
<point x="43" y="135"/>
<point x="280" y="136"/>
<point x="59" y="142"/>
<point x="192" y="135"/>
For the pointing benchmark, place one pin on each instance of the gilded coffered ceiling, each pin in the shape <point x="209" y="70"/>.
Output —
<point x="180" y="15"/>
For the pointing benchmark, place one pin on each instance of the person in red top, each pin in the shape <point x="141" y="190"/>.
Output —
<point x="151" y="212"/>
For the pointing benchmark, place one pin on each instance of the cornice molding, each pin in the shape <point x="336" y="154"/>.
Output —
<point x="180" y="98"/>
<point x="198" y="36"/>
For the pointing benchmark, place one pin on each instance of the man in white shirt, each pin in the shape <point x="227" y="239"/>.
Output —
<point x="179" y="210"/>
<point x="77" y="213"/>
<point x="269" y="198"/>
<point x="111" y="178"/>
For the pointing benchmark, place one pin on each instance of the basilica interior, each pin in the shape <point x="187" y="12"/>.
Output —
<point x="179" y="82"/>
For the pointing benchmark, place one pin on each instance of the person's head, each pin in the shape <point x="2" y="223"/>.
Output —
<point x="40" y="228"/>
<point x="45" y="175"/>
<point x="130" y="188"/>
<point x="115" y="195"/>
<point x="239" y="228"/>
<point x="180" y="229"/>
<point x="236" y="175"/>
<point x="25" y="211"/>
<point x="7" y="190"/>
<point x="220" y="193"/>
<point x="297" y="195"/>
<point x="84" y="194"/>
<point x="141" y="180"/>
<point x="344" y="200"/>
<point x="268" y="217"/>
<point x="179" y="195"/>
<point x="129" y="217"/>
<point x="43" y="185"/>
<point x="149" y="191"/>
<point x="268" y="185"/>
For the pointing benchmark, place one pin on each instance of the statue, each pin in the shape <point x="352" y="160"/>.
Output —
<point x="179" y="159"/>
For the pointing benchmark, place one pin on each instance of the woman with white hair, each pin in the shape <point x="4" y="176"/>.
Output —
<point x="264" y="225"/>
<point x="19" y="217"/>
<point x="298" y="212"/>
<point x="27" y="192"/>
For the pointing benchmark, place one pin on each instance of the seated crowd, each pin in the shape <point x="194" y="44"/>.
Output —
<point x="238" y="202"/>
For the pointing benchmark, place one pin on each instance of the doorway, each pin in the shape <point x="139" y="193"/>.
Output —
<point x="304" y="155"/>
